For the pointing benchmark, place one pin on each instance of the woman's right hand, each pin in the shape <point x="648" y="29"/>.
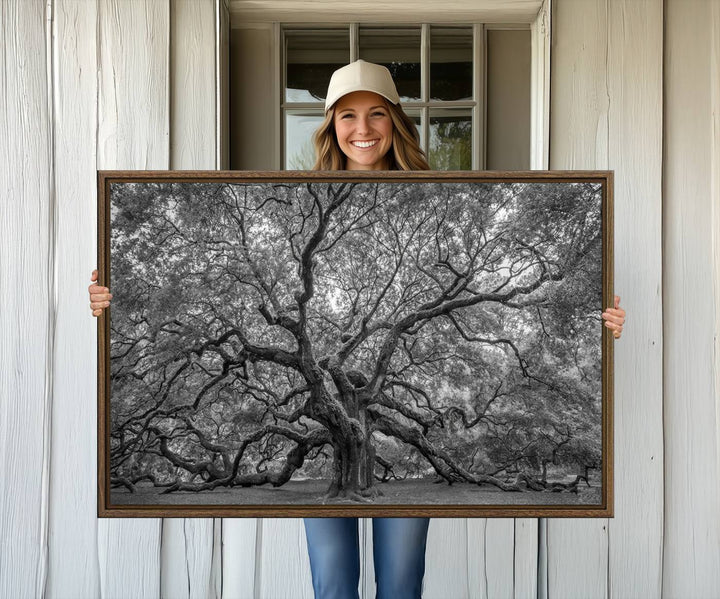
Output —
<point x="99" y="296"/>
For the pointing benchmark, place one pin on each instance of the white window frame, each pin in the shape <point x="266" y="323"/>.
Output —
<point x="476" y="106"/>
<point x="538" y="21"/>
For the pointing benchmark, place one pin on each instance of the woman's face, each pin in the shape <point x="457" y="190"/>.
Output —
<point x="364" y="130"/>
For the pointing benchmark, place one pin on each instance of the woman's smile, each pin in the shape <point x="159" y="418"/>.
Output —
<point x="364" y="144"/>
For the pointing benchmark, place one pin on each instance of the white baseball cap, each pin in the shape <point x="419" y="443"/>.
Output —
<point x="361" y="76"/>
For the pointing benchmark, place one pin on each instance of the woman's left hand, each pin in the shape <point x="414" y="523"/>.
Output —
<point x="615" y="318"/>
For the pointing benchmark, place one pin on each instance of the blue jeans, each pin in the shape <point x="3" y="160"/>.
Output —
<point x="398" y="552"/>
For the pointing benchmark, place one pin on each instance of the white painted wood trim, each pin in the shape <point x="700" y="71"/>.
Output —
<point x="479" y="111"/>
<point x="425" y="86"/>
<point x="278" y="86"/>
<point x="691" y="397"/>
<point x="354" y="31"/>
<point x="715" y="195"/>
<point x="222" y="63"/>
<point x="540" y="89"/>
<point x="399" y="11"/>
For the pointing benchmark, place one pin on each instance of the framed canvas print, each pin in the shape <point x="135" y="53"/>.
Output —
<point x="355" y="344"/>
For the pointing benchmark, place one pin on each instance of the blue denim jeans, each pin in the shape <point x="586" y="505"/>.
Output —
<point x="398" y="553"/>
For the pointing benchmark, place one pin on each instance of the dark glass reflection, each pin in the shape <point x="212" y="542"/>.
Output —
<point x="398" y="50"/>
<point x="311" y="58"/>
<point x="451" y="56"/>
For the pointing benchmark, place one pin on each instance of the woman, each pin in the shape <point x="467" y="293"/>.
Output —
<point x="365" y="129"/>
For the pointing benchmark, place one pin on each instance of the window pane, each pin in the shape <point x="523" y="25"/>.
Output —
<point x="399" y="50"/>
<point x="299" y="149"/>
<point x="311" y="57"/>
<point x="451" y="56"/>
<point x="450" y="140"/>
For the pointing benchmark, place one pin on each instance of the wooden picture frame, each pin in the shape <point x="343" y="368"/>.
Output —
<point x="355" y="344"/>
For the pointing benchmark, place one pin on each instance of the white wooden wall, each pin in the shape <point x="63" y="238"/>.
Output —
<point x="635" y="87"/>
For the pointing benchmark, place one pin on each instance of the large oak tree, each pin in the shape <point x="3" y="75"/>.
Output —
<point x="359" y="332"/>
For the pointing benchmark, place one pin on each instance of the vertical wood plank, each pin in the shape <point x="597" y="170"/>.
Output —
<point x="447" y="559"/>
<point x="72" y="543"/>
<point x="282" y="568"/>
<point x="239" y="558"/>
<point x="635" y="49"/>
<point x="186" y="557"/>
<point x="577" y="549"/>
<point x="367" y="563"/>
<point x="222" y="62"/>
<point x="240" y="546"/>
<point x="530" y="561"/>
<point x="692" y="322"/>
<point x="193" y="89"/>
<point x="525" y="559"/>
<point x="477" y="563"/>
<point x="187" y="543"/>
<point x="133" y="133"/>
<point x="215" y="591"/>
<point x="540" y="89"/>
<point x="26" y="297"/>
<point x="490" y="558"/>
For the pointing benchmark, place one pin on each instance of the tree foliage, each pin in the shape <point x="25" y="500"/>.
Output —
<point x="356" y="332"/>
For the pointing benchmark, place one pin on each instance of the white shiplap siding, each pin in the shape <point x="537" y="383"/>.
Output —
<point x="691" y="202"/>
<point x="133" y="133"/>
<point x="27" y="311"/>
<point x="112" y="84"/>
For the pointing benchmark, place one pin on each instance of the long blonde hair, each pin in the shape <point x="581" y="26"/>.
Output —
<point x="405" y="154"/>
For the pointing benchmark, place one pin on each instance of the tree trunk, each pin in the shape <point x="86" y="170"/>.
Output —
<point x="353" y="465"/>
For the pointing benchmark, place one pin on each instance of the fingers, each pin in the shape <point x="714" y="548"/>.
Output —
<point x="616" y="332"/>
<point x="611" y="315"/>
<point x="614" y="317"/>
<point x="99" y="296"/>
<point x="615" y="324"/>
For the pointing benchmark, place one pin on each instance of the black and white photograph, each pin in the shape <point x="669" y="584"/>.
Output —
<point x="370" y="343"/>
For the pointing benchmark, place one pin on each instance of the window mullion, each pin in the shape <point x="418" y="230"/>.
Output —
<point x="425" y="85"/>
<point x="280" y="64"/>
<point x="354" y="41"/>
<point x="479" y="111"/>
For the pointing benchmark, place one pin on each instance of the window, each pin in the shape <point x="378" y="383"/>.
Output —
<point x="433" y="67"/>
<point x="467" y="87"/>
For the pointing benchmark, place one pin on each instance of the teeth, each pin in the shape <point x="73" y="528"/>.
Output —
<point x="364" y="144"/>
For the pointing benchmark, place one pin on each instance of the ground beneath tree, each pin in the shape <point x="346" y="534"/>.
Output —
<point x="310" y="492"/>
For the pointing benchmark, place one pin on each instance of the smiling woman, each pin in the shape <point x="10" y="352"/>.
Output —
<point x="365" y="128"/>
